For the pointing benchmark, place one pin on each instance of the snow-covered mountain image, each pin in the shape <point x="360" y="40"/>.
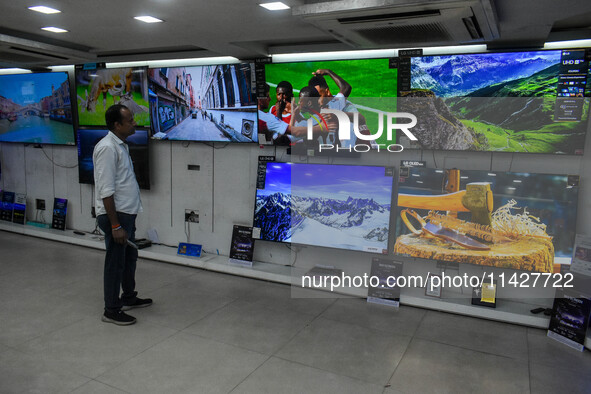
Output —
<point x="345" y="207"/>
<point x="459" y="75"/>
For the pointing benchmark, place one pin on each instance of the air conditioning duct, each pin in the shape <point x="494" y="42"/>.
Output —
<point x="394" y="23"/>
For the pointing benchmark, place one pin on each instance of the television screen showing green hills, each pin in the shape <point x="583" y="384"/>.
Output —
<point x="491" y="102"/>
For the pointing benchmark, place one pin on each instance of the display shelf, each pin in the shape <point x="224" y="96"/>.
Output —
<point x="507" y="310"/>
<point x="212" y="262"/>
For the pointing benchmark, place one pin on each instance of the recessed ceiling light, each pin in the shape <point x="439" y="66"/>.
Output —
<point x="147" y="19"/>
<point x="44" y="10"/>
<point x="275" y="6"/>
<point x="54" y="29"/>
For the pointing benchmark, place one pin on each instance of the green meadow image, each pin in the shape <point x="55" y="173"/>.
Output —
<point x="500" y="102"/>
<point x="97" y="90"/>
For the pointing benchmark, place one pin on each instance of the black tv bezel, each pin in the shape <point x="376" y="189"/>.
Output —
<point x="148" y="177"/>
<point x="255" y="131"/>
<point x="500" y="51"/>
<point x="72" y="109"/>
<point x="390" y="223"/>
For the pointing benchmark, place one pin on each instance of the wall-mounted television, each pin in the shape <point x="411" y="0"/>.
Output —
<point x="512" y="220"/>
<point x="335" y="206"/>
<point x="36" y="108"/>
<point x="100" y="88"/>
<point x="204" y="103"/>
<point x="138" y="150"/>
<point x="370" y="89"/>
<point x="509" y="102"/>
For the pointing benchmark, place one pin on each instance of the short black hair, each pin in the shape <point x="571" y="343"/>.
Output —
<point x="113" y="114"/>
<point x="267" y="88"/>
<point x="318" y="80"/>
<point x="287" y="86"/>
<point x="309" y="91"/>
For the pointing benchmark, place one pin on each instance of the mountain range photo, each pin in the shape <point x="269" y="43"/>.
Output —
<point x="355" y="224"/>
<point x="338" y="206"/>
<point x="491" y="102"/>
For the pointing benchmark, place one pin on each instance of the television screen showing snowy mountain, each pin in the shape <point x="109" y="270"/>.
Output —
<point x="511" y="102"/>
<point x="336" y="206"/>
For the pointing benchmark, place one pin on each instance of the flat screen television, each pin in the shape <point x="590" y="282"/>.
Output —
<point x="335" y="206"/>
<point x="203" y="103"/>
<point x="500" y="219"/>
<point x="138" y="150"/>
<point x="98" y="89"/>
<point x="509" y="102"/>
<point x="373" y="90"/>
<point x="36" y="108"/>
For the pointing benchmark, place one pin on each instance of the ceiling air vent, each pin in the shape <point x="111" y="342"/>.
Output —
<point x="405" y="35"/>
<point x="380" y="23"/>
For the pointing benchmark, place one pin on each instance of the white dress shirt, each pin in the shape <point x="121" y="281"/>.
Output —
<point x="273" y="123"/>
<point x="114" y="176"/>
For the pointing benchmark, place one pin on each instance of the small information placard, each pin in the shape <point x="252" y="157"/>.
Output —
<point x="186" y="249"/>
<point x="242" y="247"/>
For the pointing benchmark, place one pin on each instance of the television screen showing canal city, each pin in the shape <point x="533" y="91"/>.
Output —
<point x="203" y="103"/>
<point x="36" y="108"/>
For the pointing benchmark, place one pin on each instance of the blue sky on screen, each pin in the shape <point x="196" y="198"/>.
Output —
<point x="341" y="182"/>
<point x="26" y="89"/>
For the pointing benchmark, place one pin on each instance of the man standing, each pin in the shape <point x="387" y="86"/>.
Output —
<point x="117" y="199"/>
<point x="282" y="109"/>
<point x="340" y="102"/>
<point x="282" y="133"/>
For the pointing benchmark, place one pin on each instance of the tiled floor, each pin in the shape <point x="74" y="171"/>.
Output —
<point x="214" y="333"/>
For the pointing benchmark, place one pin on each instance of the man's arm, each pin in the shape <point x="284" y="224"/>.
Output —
<point x="119" y="234"/>
<point x="104" y="159"/>
<point x="302" y="131"/>
<point x="343" y="85"/>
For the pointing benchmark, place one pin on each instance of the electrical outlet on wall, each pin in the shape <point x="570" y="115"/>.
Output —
<point x="192" y="215"/>
<point x="40" y="204"/>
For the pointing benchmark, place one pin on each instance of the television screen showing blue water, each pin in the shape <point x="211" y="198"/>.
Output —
<point x="337" y="206"/>
<point x="36" y="108"/>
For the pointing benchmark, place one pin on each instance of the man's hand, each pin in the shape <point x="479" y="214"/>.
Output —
<point x="120" y="236"/>
<point x="331" y="121"/>
<point x="321" y="71"/>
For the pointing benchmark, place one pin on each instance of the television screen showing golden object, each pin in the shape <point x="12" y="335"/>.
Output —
<point x="501" y="219"/>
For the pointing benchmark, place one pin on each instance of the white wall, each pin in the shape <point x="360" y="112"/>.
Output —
<point x="223" y="189"/>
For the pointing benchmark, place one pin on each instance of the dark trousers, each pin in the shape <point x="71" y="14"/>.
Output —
<point x="120" y="262"/>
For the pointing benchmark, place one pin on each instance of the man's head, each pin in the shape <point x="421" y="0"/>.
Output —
<point x="120" y="121"/>
<point x="319" y="83"/>
<point x="284" y="91"/>
<point x="263" y="102"/>
<point x="309" y="99"/>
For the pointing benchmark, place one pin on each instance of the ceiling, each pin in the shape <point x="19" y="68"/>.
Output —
<point x="105" y="31"/>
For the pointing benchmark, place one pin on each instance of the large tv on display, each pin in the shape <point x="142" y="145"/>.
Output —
<point x="36" y="108"/>
<point x="500" y="219"/>
<point x="371" y="91"/>
<point x="138" y="150"/>
<point x="335" y="206"/>
<point x="508" y="102"/>
<point x="98" y="89"/>
<point x="204" y="103"/>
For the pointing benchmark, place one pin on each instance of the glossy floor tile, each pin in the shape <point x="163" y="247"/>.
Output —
<point x="213" y="333"/>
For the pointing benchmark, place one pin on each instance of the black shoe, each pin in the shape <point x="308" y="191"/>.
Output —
<point x="138" y="303"/>
<point x="120" y="318"/>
